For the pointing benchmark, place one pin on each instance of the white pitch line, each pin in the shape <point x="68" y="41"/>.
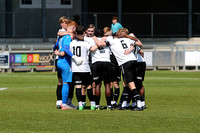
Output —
<point x="1" y="89"/>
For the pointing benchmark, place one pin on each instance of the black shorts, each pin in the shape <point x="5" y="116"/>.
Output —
<point x="84" y="78"/>
<point x="101" y="72"/>
<point x="129" y="71"/>
<point x="115" y="69"/>
<point x="141" y="68"/>
<point x="58" y="73"/>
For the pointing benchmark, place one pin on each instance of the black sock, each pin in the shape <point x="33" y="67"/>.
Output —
<point x="142" y="98"/>
<point x="138" y="85"/>
<point x="129" y="96"/>
<point x="59" y="92"/>
<point x="108" y="99"/>
<point x="125" y="93"/>
<point x="83" y="98"/>
<point x="90" y="95"/>
<point x="122" y="95"/>
<point x="111" y="91"/>
<point x="78" y="94"/>
<point x="116" y="94"/>
<point x="121" y="99"/>
<point x="133" y="100"/>
<point x="94" y="97"/>
<point x="71" y="90"/>
<point x="135" y="94"/>
<point x="97" y="100"/>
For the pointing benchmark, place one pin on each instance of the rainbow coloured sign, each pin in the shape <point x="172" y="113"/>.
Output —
<point x="31" y="60"/>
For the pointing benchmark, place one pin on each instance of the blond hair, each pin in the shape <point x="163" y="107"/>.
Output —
<point x="63" y="19"/>
<point x="122" y="30"/>
<point x="107" y="31"/>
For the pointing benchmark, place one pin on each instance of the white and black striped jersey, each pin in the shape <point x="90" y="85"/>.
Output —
<point x="118" y="47"/>
<point x="101" y="54"/>
<point x="80" y="49"/>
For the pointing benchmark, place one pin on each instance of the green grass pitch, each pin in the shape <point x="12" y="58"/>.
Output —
<point x="28" y="106"/>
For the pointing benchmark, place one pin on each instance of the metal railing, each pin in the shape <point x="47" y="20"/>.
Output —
<point x="173" y="57"/>
<point x="29" y="24"/>
<point x="26" y="48"/>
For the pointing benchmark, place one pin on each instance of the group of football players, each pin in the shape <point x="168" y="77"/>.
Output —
<point x="88" y="57"/>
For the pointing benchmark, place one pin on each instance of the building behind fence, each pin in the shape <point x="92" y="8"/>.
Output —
<point x="28" y="19"/>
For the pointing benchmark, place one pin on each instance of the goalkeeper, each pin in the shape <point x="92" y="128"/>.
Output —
<point x="64" y="61"/>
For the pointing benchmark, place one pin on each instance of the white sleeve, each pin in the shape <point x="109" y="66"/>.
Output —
<point x="62" y="30"/>
<point x="133" y="42"/>
<point x="87" y="45"/>
<point x="89" y="40"/>
<point x="109" y="40"/>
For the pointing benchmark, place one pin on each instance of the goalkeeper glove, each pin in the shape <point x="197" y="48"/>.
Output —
<point x="78" y="60"/>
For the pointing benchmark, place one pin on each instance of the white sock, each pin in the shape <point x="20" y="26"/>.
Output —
<point x="124" y="103"/>
<point x="143" y="103"/>
<point x="92" y="103"/>
<point x="109" y="106"/>
<point x="80" y="104"/>
<point x="58" y="102"/>
<point x="113" y="102"/>
<point x="84" y="103"/>
<point x="64" y="105"/>
<point x="139" y="104"/>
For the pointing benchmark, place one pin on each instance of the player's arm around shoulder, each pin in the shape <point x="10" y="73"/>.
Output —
<point x="122" y="34"/>
<point x="93" y="48"/>
<point x="63" y="33"/>
<point x="137" y="42"/>
<point x="127" y="52"/>
<point x="98" y="42"/>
